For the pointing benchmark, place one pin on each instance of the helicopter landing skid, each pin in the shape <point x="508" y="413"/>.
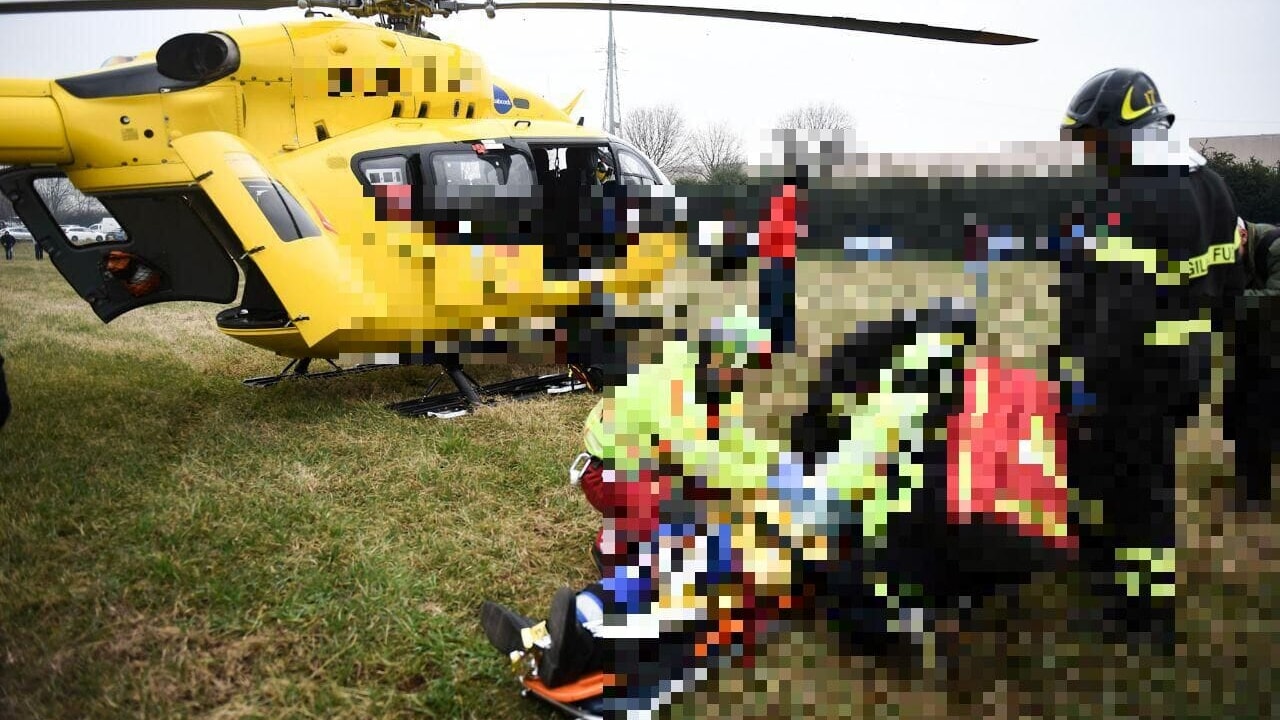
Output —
<point x="300" y="370"/>
<point x="470" y="394"/>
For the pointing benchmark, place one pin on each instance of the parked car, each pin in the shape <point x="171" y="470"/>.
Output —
<point x="17" y="230"/>
<point x="108" y="231"/>
<point x="78" y="234"/>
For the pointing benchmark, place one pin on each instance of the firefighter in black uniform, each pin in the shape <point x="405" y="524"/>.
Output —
<point x="1257" y="371"/>
<point x="1142" y="292"/>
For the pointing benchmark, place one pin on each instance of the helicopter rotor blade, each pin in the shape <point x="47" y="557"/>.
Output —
<point x="445" y="7"/>
<point x="43" y="6"/>
<point x="930" y="32"/>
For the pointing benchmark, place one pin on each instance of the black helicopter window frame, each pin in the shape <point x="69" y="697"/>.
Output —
<point x="656" y="175"/>
<point x="621" y="172"/>
<point x="409" y="174"/>
<point x="427" y="160"/>
<point x="420" y="167"/>
<point x="124" y="82"/>
<point x="605" y="142"/>
<point x="408" y="152"/>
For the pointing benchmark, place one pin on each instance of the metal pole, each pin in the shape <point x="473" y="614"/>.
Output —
<point x="613" y="104"/>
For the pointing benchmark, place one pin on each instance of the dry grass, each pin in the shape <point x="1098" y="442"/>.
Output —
<point x="175" y="544"/>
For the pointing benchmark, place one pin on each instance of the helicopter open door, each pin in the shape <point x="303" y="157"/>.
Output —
<point x="281" y="232"/>
<point x="153" y="246"/>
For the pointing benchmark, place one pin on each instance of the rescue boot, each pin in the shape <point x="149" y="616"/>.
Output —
<point x="573" y="651"/>
<point x="503" y="627"/>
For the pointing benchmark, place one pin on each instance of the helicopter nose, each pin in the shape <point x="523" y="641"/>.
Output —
<point x="31" y="125"/>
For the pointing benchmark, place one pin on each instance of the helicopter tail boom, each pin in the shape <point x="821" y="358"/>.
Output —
<point x="31" y="125"/>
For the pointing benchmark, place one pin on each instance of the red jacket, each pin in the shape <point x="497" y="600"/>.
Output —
<point x="1007" y="454"/>
<point x="779" y="230"/>
<point x="632" y="505"/>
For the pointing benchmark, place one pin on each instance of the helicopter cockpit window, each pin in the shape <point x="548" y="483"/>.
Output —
<point x="84" y="221"/>
<point x="634" y="170"/>
<point x="490" y="168"/>
<point x="283" y="211"/>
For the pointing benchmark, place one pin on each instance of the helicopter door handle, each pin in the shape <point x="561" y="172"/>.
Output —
<point x="252" y="251"/>
<point x="294" y="322"/>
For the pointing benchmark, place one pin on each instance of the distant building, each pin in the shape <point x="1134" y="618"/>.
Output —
<point x="1264" y="147"/>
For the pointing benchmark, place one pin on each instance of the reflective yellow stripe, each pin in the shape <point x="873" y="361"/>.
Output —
<point x="1176" y="332"/>
<point x="1071" y="369"/>
<point x="594" y="430"/>
<point x="1132" y="582"/>
<point x="1164" y="560"/>
<point x="1121" y="249"/>
<point x="965" y="477"/>
<point x="1223" y="254"/>
<point x="980" y="402"/>
<point x="1150" y="561"/>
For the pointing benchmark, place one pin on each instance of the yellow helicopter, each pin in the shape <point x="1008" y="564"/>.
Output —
<point x="376" y="189"/>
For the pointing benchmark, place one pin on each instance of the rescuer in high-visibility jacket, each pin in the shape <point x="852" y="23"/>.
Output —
<point x="676" y="431"/>
<point x="678" y="427"/>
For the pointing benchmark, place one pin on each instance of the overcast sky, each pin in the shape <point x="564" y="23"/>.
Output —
<point x="1212" y="61"/>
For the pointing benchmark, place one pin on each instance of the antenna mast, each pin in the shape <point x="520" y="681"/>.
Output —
<point x="612" y="104"/>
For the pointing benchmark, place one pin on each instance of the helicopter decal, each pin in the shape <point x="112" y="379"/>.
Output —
<point x="501" y="100"/>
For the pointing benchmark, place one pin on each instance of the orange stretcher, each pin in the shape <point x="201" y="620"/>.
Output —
<point x="573" y="699"/>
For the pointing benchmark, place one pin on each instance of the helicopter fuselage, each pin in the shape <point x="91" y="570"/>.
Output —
<point x="375" y="191"/>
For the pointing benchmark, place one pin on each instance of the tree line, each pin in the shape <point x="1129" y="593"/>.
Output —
<point x="712" y="154"/>
<point x="68" y="205"/>
<point x="1255" y="185"/>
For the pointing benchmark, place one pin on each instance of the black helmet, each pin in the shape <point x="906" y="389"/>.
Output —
<point x="1117" y="99"/>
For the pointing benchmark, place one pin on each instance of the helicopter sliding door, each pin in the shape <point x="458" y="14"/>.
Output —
<point x="124" y="250"/>
<point x="280" y="229"/>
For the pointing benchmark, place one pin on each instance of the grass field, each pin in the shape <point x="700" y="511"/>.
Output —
<point x="173" y="544"/>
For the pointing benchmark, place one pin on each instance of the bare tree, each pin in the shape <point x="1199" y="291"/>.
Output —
<point x="67" y="204"/>
<point x="817" y="116"/>
<point x="717" y="151"/>
<point x="660" y="132"/>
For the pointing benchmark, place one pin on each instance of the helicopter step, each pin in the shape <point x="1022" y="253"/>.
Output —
<point x="300" y="369"/>
<point x="470" y="393"/>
